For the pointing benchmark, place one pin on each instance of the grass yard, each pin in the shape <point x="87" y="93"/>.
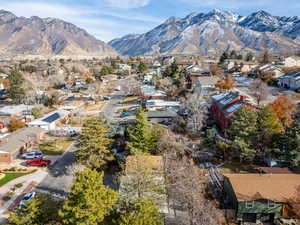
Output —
<point x="11" y="176"/>
<point x="57" y="147"/>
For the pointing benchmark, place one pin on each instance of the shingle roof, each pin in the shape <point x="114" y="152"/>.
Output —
<point x="19" y="138"/>
<point x="275" y="187"/>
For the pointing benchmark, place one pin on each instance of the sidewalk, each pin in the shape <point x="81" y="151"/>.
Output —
<point x="37" y="177"/>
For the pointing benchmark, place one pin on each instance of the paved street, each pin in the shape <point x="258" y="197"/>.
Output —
<point x="59" y="179"/>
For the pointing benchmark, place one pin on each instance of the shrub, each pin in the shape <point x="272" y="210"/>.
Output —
<point x="8" y="196"/>
<point x="19" y="185"/>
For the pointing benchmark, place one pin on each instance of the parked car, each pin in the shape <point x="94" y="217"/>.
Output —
<point x="38" y="162"/>
<point x="26" y="198"/>
<point x="32" y="155"/>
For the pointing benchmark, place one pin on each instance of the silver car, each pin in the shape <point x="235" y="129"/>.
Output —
<point x="32" y="155"/>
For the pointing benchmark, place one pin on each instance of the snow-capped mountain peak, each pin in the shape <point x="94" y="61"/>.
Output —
<point x="215" y="31"/>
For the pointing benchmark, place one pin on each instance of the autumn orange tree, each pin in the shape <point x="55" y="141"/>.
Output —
<point x="226" y="84"/>
<point x="285" y="108"/>
<point x="15" y="125"/>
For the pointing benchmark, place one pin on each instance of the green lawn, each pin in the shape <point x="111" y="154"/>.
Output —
<point x="57" y="147"/>
<point x="11" y="176"/>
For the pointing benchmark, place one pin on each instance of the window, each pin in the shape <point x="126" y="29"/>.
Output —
<point x="250" y="204"/>
<point x="271" y="204"/>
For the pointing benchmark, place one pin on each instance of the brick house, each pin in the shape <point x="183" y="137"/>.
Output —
<point x="19" y="142"/>
<point x="223" y="107"/>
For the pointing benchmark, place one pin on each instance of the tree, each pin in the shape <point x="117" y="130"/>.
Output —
<point x="94" y="149"/>
<point x="267" y="76"/>
<point x="15" y="125"/>
<point x="142" y="136"/>
<point x="259" y="91"/>
<point x="142" y="67"/>
<point x="233" y="55"/>
<point x="266" y="57"/>
<point x="16" y="89"/>
<point x="285" y="109"/>
<point x="139" y="212"/>
<point x="267" y="126"/>
<point x="114" y="63"/>
<point x="294" y="203"/>
<point x="40" y="210"/>
<point x="90" y="201"/>
<point x="142" y="179"/>
<point x="226" y="84"/>
<point x="215" y="70"/>
<point x="36" y="112"/>
<point x="289" y="144"/>
<point x="223" y="57"/>
<point x="249" y="57"/>
<point x="243" y="132"/>
<point x="198" y="107"/>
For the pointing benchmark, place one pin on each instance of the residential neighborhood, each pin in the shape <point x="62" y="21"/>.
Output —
<point x="189" y="138"/>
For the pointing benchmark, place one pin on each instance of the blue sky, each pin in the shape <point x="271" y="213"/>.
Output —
<point x="108" y="19"/>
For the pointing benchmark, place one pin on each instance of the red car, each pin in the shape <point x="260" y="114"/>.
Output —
<point x="38" y="162"/>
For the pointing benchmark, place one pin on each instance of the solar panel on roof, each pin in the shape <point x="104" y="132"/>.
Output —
<point x="52" y="118"/>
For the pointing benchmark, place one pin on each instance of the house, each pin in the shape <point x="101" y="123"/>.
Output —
<point x="124" y="67"/>
<point x="290" y="80"/>
<point x="150" y="92"/>
<point x="239" y="65"/>
<point x="224" y="105"/>
<point x="204" y="85"/>
<point x="161" y="116"/>
<point x="50" y="120"/>
<point x="269" y="68"/>
<point x="292" y="61"/>
<point x="192" y="77"/>
<point x="16" y="110"/>
<point x="157" y="104"/>
<point x="260" y="197"/>
<point x="19" y="142"/>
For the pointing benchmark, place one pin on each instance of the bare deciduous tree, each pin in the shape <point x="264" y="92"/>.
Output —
<point x="186" y="187"/>
<point x="259" y="90"/>
<point x="197" y="106"/>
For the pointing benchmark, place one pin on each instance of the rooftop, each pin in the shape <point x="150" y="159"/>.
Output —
<point x="275" y="187"/>
<point x="17" y="139"/>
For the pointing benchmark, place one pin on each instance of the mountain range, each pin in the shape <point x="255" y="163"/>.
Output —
<point x="215" y="32"/>
<point x="47" y="37"/>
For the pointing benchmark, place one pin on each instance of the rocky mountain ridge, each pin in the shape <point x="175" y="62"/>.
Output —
<point x="213" y="33"/>
<point x="47" y="37"/>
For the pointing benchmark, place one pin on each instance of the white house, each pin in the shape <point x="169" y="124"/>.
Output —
<point x="270" y="68"/>
<point x="291" y="61"/>
<point x="50" y="120"/>
<point x="155" y="104"/>
<point x="124" y="67"/>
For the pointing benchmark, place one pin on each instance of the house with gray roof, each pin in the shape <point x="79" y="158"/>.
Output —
<point x="19" y="142"/>
<point x="290" y="80"/>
